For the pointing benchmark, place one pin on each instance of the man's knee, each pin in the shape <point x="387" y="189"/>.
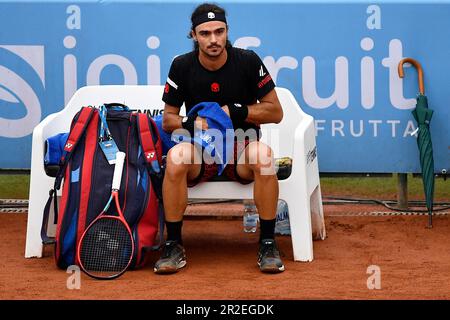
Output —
<point x="182" y="161"/>
<point x="178" y="159"/>
<point x="260" y="159"/>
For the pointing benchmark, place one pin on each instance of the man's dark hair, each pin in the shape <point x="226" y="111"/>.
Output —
<point x="203" y="9"/>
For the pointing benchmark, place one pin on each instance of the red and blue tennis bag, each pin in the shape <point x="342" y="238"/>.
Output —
<point x="87" y="176"/>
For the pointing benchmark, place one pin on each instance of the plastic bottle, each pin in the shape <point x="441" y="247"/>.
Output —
<point x="282" y="225"/>
<point x="251" y="216"/>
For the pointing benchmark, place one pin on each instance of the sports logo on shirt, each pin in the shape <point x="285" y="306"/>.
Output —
<point x="261" y="72"/>
<point x="264" y="81"/>
<point x="215" y="87"/>
<point x="166" y="88"/>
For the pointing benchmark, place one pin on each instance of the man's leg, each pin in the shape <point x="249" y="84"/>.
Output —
<point x="182" y="165"/>
<point x="257" y="163"/>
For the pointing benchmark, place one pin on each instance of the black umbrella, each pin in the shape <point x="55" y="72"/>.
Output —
<point x="423" y="117"/>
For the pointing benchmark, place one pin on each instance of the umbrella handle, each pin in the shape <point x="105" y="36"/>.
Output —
<point x="416" y="64"/>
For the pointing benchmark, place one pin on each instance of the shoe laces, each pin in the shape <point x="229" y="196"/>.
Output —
<point x="269" y="248"/>
<point x="169" y="247"/>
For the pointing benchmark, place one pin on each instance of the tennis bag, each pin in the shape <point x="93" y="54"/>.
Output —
<point x="87" y="176"/>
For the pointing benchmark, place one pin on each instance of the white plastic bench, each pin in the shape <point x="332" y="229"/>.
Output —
<point x="294" y="137"/>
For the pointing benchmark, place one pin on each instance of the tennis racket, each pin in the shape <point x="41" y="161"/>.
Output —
<point x="106" y="247"/>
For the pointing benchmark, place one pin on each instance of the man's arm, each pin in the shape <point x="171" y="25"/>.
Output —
<point x="268" y="110"/>
<point x="172" y="120"/>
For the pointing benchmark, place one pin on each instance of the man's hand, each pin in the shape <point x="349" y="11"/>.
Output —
<point x="226" y="110"/>
<point x="201" y="123"/>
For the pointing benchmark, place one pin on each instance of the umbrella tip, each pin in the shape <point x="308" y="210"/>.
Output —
<point x="430" y="221"/>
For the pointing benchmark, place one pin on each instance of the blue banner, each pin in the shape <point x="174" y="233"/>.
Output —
<point x="339" y="59"/>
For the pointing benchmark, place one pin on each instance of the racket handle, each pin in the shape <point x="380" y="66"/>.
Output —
<point x="120" y="157"/>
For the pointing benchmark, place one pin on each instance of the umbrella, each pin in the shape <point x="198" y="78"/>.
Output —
<point x="423" y="117"/>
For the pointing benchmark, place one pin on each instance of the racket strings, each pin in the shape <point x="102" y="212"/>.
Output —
<point x="106" y="248"/>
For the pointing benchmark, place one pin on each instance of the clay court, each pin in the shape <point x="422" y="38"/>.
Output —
<point x="414" y="261"/>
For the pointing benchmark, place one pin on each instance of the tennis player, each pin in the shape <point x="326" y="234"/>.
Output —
<point x="239" y="82"/>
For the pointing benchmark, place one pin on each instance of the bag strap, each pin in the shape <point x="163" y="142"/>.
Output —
<point x="146" y="140"/>
<point x="161" y="226"/>
<point x="104" y="129"/>
<point x="75" y="134"/>
<point x="153" y="161"/>
<point x="151" y="156"/>
<point x="77" y="130"/>
<point x="45" y="238"/>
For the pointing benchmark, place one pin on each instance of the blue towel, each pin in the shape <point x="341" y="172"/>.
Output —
<point x="217" y="141"/>
<point x="55" y="148"/>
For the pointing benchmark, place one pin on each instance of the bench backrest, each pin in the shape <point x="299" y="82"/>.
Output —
<point x="148" y="97"/>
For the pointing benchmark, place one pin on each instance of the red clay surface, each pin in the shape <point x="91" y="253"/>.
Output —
<point x="414" y="262"/>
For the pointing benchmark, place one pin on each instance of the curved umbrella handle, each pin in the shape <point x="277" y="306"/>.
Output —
<point x="416" y="64"/>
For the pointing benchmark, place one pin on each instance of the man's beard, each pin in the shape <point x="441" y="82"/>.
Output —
<point x="218" y="52"/>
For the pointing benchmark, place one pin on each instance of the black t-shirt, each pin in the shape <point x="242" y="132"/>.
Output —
<point x="242" y="79"/>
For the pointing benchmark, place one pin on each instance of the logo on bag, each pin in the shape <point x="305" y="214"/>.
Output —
<point x="68" y="146"/>
<point x="150" y="155"/>
<point x="16" y="93"/>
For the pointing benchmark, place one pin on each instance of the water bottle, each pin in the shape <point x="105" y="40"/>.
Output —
<point x="251" y="216"/>
<point x="282" y="225"/>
